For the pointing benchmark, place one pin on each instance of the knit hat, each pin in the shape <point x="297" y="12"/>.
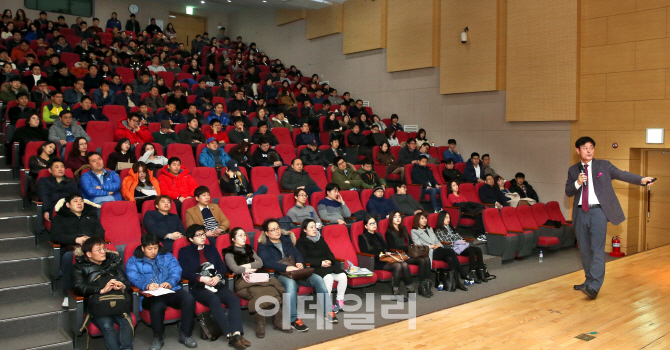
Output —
<point x="378" y="188"/>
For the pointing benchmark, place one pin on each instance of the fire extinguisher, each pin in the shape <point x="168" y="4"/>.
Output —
<point x="616" y="247"/>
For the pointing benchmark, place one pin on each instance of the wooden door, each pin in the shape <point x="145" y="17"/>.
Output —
<point x="188" y="27"/>
<point x="658" y="199"/>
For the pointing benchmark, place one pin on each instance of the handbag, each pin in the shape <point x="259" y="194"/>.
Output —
<point x="123" y="165"/>
<point x="115" y="302"/>
<point x="256" y="277"/>
<point x="302" y="274"/>
<point x="459" y="246"/>
<point x="417" y="251"/>
<point x="209" y="329"/>
<point x="393" y="257"/>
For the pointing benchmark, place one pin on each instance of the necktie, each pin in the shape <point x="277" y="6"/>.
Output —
<point x="585" y="192"/>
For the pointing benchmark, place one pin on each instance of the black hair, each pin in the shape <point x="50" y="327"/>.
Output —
<point x="117" y="148"/>
<point x="134" y="115"/>
<point x="72" y="196"/>
<point x="90" y="154"/>
<point x="487" y="176"/>
<point x="451" y="142"/>
<point x="332" y="186"/>
<point x="149" y="239"/>
<point x="55" y="160"/>
<point x="584" y="140"/>
<point x="520" y="175"/>
<point x="422" y="157"/>
<point x="366" y="161"/>
<point x="303" y="226"/>
<point x="200" y="190"/>
<point x="88" y="244"/>
<point x="440" y="220"/>
<point x="266" y="224"/>
<point x="485" y="155"/>
<point x="337" y="160"/>
<point x="297" y="191"/>
<point x="192" y="230"/>
<point x="173" y="159"/>
<point x="473" y="154"/>
<point x="448" y="161"/>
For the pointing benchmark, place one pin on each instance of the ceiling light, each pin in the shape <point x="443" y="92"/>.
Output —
<point x="202" y="1"/>
<point x="264" y="0"/>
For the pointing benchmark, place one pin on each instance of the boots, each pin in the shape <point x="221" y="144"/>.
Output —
<point x="473" y="276"/>
<point x="396" y="293"/>
<point x="428" y="288"/>
<point x="277" y="320"/>
<point x="411" y="292"/>
<point x="481" y="275"/>
<point x="458" y="284"/>
<point x="422" y="289"/>
<point x="259" y="328"/>
<point x="450" y="281"/>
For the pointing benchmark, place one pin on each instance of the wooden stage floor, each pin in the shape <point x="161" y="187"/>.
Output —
<point x="632" y="311"/>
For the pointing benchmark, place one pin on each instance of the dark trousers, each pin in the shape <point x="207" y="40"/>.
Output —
<point x="424" y="266"/>
<point x="591" y="231"/>
<point x="475" y="256"/>
<point x="181" y="300"/>
<point x="66" y="271"/>
<point x="229" y="324"/>
<point x="312" y="189"/>
<point x="115" y="340"/>
<point x="449" y="256"/>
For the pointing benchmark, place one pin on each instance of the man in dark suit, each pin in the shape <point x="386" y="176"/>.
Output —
<point x="594" y="205"/>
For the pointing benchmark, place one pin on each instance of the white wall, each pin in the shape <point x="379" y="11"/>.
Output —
<point x="147" y="9"/>
<point x="475" y="120"/>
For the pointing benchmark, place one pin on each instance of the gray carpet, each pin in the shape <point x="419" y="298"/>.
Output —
<point x="511" y="275"/>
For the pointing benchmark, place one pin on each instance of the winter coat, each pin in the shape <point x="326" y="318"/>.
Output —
<point x="141" y="136"/>
<point x="163" y="268"/>
<point x="189" y="260"/>
<point x="423" y="175"/>
<point x="491" y="194"/>
<point x="239" y="136"/>
<point x="89" y="278"/>
<point x="187" y="136"/>
<point x="405" y="156"/>
<point x="371" y="178"/>
<point x="373" y="244"/>
<point x="101" y="101"/>
<point x="470" y="173"/>
<point x="182" y="184"/>
<point x="130" y="183"/>
<point x="175" y="117"/>
<point x="161" y="225"/>
<point x="380" y="206"/>
<point x="282" y="124"/>
<point x="315" y="253"/>
<point x="339" y="177"/>
<point x="271" y="255"/>
<point x="206" y="158"/>
<point x="66" y="226"/>
<point x="271" y="138"/>
<point x="89" y="181"/>
<point x="293" y="179"/>
<point x="529" y="193"/>
<point x="122" y="100"/>
<point x="57" y="132"/>
<point x="310" y="157"/>
<point x="140" y="87"/>
<point x="115" y="158"/>
<point x="7" y="94"/>
<point x="93" y="114"/>
<point x="50" y="192"/>
<point x="406" y="204"/>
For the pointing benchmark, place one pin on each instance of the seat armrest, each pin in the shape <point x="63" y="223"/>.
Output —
<point x="398" y="250"/>
<point x="569" y="222"/>
<point x="342" y="263"/>
<point x="184" y="284"/>
<point x="468" y="239"/>
<point x="366" y="260"/>
<point x="16" y="160"/>
<point x="446" y="243"/>
<point x="547" y="226"/>
<point x="76" y="314"/>
<point x="496" y="233"/>
<point x="326" y="221"/>
<point x="296" y="223"/>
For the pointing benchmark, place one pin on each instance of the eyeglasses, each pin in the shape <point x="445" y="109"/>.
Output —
<point x="302" y="195"/>
<point x="276" y="229"/>
<point x="200" y="235"/>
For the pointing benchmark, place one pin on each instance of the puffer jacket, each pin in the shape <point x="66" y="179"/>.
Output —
<point x="206" y="158"/>
<point x="66" y="226"/>
<point x="89" y="182"/>
<point x="163" y="268"/>
<point x="354" y="178"/>
<point x="57" y="132"/>
<point x="182" y="184"/>
<point x="141" y="136"/>
<point x="271" y="254"/>
<point x="293" y="179"/>
<point x="130" y="182"/>
<point x="89" y="278"/>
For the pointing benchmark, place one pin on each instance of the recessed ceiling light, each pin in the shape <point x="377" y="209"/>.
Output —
<point x="264" y="0"/>
<point x="202" y="1"/>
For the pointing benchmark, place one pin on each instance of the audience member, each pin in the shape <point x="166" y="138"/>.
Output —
<point x="217" y="132"/>
<point x="369" y="176"/>
<point x="295" y="177"/>
<point x="445" y="232"/>
<point x="523" y="188"/>
<point x="385" y="157"/>
<point x="140" y="185"/>
<point x="265" y="156"/>
<point x="213" y="156"/>
<point x="191" y="135"/>
<point x="332" y="208"/>
<point x="163" y="224"/>
<point x="473" y="171"/>
<point x="86" y="113"/>
<point x="33" y="130"/>
<point x="233" y="181"/>
<point x="423" y="175"/>
<point x="409" y="154"/>
<point x="132" y="130"/>
<point x="450" y="173"/>
<point x="52" y="188"/>
<point x="177" y="182"/>
<point x="154" y="100"/>
<point x="333" y="152"/>
<point x="170" y="113"/>
<point x="165" y="135"/>
<point x="452" y="152"/>
<point x="468" y="208"/>
<point x="423" y="151"/>
<point x="64" y="131"/>
<point x="263" y="132"/>
<point x="152" y="267"/>
<point x="239" y="134"/>
<point x="346" y="176"/>
<point x="76" y="160"/>
<point x="486" y="165"/>
<point x="99" y="185"/>
<point x="312" y="155"/>
<point x="489" y="193"/>
<point x="378" y="206"/>
<point x="405" y="203"/>
<point x="305" y="137"/>
<point x="302" y="211"/>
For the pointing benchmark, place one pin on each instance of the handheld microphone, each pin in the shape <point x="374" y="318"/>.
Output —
<point x="581" y="170"/>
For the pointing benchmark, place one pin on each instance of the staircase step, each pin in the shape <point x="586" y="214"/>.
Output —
<point x="6" y="175"/>
<point x="23" y="318"/>
<point x="16" y="241"/>
<point x="10" y="188"/>
<point x="17" y="220"/>
<point x="24" y="288"/>
<point x="50" y="340"/>
<point x="23" y="263"/>
<point x="10" y="203"/>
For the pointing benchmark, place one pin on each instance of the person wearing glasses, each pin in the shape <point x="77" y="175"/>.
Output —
<point x="302" y="211"/>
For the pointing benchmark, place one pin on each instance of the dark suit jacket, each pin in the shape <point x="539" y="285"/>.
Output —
<point x="602" y="187"/>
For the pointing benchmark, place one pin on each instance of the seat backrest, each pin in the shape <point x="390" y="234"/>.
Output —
<point x="317" y="174"/>
<point x="287" y="202"/>
<point x="510" y="219"/>
<point x="440" y="152"/>
<point x="236" y="210"/>
<point x="352" y="200"/>
<point x="454" y="215"/>
<point x="185" y="154"/>
<point x="187" y="204"/>
<point x="337" y="238"/>
<point x="540" y="213"/>
<point x="492" y="221"/>
<point x="460" y="166"/>
<point x="432" y="220"/>
<point x="508" y="184"/>
<point x="283" y="135"/>
<point x="408" y="221"/>
<point x="31" y="150"/>
<point x="525" y="214"/>
<point x="100" y="132"/>
<point x="375" y="150"/>
<point x="265" y="206"/>
<point x="205" y="176"/>
<point x="178" y="244"/>
<point x="436" y="173"/>
<point x="408" y="173"/>
<point x="365" y="197"/>
<point x="468" y="190"/>
<point x="287" y="152"/>
<point x="382" y="226"/>
<point x="263" y="175"/>
<point x="357" y="230"/>
<point x="120" y="221"/>
<point x="554" y="211"/>
<point x="316" y="197"/>
<point x="129" y="250"/>
<point x="158" y="149"/>
<point x="107" y="149"/>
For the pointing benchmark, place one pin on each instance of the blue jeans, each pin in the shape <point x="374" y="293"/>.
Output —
<point x="115" y="340"/>
<point x="434" y="194"/>
<point x="102" y="199"/>
<point x="316" y="282"/>
<point x="262" y="189"/>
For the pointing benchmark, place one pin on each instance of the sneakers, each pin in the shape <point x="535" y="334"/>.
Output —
<point x="481" y="238"/>
<point x="336" y="309"/>
<point x="299" y="326"/>
<point x="157" y="344"/>
<point x="332" y="318"/>
<point x="66" y="303"/>
<point x="187" y="341"/>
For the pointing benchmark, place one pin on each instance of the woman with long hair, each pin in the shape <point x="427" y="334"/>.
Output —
<point x="8" y="32"/>
<point x="468" y="208"/>
<point x="398" y="238"/>
<point x="76" y="159"/>
<point x="318" y="255"/>
<point x="150" y="157"/>
<point x="162" y="88"/>
<point x="45" y="153"/>
<point x="170" y="31"/>
<point x="385" y="157"/>
<point x="242" y="155"/>
<point x="33" y="33"/>
<point x="140" y="185"/>
<point x="423" y="234"/>
<point x="122" y="153"/>
<point x="33" y="130"/>
<point x="115" y="62"/>
<point x="421" y="138"/>
<point x="372" y="242"/>
<point x="391" y="137"/>
<point x="445" y="232"/>
<point x="240" y="259"/>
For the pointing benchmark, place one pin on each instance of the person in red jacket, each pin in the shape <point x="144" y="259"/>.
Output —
<point x="133" y="130"/>
<point x="176" y="181"/>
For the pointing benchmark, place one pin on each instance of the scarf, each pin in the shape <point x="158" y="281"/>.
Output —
<point x="315" y="238"/>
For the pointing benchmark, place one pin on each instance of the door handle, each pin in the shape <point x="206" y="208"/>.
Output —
<point x="648" y="201"/>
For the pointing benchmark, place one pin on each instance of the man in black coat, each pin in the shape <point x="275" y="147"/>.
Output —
<point x="55" y="187"/>
<point x="357" y="139"/>
<point x="423" y="175"/>
<point x="489" y="193"/>
<point x="265" y="156"/>
<point x="523" y="188"/>
<point x="21" y="110"/>
<point x="86" y="113"/>
<point x="75" y="222"/>
<point x="100" y="271"/>
<point x="238" y="103"/>
<point x="312" y="155"/>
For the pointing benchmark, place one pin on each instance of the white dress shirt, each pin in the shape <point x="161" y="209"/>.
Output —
<point x="592" y="194"/>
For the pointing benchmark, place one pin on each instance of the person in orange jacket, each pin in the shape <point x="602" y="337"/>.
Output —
<point x="176" y="181"/>
<point x="140" y="185"/>
<point x="132" y="130"/>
